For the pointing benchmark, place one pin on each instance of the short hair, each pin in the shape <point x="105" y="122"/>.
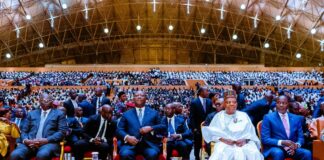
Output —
<point x="121" y="93"/>
<point x="211" y="95"/>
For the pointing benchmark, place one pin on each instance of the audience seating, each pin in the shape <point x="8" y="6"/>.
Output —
<point x="318" y="145"/>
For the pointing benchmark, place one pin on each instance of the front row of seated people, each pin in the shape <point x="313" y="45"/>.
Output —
<point x="140" y="130"/>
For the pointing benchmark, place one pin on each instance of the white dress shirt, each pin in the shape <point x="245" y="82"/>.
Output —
<point x="103" y="123"/>
<point x="75" y="104"/>
<point x="172" y="123"/>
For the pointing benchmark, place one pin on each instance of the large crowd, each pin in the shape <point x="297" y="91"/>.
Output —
<point x="165" y="78"/>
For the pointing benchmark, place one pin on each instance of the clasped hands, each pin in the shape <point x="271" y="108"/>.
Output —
<point x="133" y="140"/>
<point x="239" y="143"/>
<point x="289" y="146"/>
<point x="35" y="143"/>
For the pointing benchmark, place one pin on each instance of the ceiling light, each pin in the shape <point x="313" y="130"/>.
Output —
<point x="41" y="45"/>
<point x="266" y="45"/>
<point x="8" y="55"/>
<point x="138" y="27"/>
<point x="202" y="30"/>
<point x="28" y="17"/>
<point x="234" y="36"/>
<point x="278" y="18"/>
<point x="243" y="7"/>
<point x="298" y="55"/>
<point x="64" y="6"/>
<point x="106" y="30"/>
<point x="170" y="27"/>
<point x="313" y="31"/>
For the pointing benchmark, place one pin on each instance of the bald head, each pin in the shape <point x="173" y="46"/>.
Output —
<point x="139" y="99"/>
<point x="46" y="101"/>
<point x="98" y="92"/>
<point x="268" y="96"/>
<point x="106" y="112"/>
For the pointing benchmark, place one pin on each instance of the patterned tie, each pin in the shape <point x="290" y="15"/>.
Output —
<point x="285" y="123"/>
<point x="170" y="128"/>
<point x="204" y="104"/>
<point x="140" y="116"/>
<point x="41" y="126"/>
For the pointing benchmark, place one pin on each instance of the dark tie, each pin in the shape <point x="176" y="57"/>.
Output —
<point x="170" y="128"/>
<point x="204" y="104"/>
<point x="102" y="128"/>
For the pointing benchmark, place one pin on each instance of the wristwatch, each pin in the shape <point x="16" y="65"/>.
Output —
<point x="247" y="140"/>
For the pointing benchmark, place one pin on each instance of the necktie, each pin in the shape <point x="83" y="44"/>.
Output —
<point x="170" y="128"/>
<point x="285" y="123"/>
<point x="98" y="104"/>
<point x="41" y="126"/>
<point x="102" y="128"/>
<point x="204" y="104"/>
<point x="140" y="116"/>
<point x="80" y="122"/>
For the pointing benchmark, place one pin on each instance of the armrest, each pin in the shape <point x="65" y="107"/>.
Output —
<point x="12" y="142"/>
<point x="164" y="143"/>
<point x="62" y="150"/>
<point x="115" y="149"/>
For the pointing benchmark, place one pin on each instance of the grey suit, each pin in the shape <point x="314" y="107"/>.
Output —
<point x="54" y="129"/>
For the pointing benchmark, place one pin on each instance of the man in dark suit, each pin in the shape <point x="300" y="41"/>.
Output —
<point x="99" y="100"/>
<point x="19" y="118"/>
<point x="317" y="109"/>
<point x="71" y="103"/>
<point x="200" y="107"/>
<point x="87" y="108"/>
<point x="282" y="134"/>
<point x="98" y="134"/>
<point x="240" y="96"/>
<point x="259" y="108"/>
<point x="138" y="128"/>
<point x="178" y="133"/>
<point x="79" y="117"/>
<point x="42" y="133"/>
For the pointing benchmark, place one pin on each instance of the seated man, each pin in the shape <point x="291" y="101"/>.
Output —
<point x="98" y="134"/>
<point x="282" y="134"/>
<point x="178" y="133"/>
<point x="138" y="128"/>
<point x="44" y="129"/>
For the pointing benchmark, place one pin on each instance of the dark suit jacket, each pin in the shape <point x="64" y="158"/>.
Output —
<point x="92" y="127"/>
<point x="209" y="118"/>
<point x="258" y="109"/>
<point x="273" y="130"/>
<point x="197" y="113"/>
<point x="180" y="127"/>
<point x="130" y="125"/>
<point x="240" y="101"/>
<point x="104" y="100"/>
<point x="54" y="127"/>
<point x="317" y="109"/>
<point x="88" y="109"/>
<point x="68" y="105"/>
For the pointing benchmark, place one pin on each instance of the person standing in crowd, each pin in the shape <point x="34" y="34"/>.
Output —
<point x="282" y="134"/>
<point x="178" y="133"/>
<point x="44" y="130"/>
<point x="138" y="128"/>
<point x="120" y="106"/>
<point x="261" y="107"/>
<point x="99" y="100"/>
<point x="98" y="134"/>
<point x="233" y="132"/>
<point x="2" y="103"/>
<point x="240" y="96"/>
<point x="200" y="107"/>
<point x="317" y="108"/>
<point x="71" y="103"/>
<point x="87" y="108"/>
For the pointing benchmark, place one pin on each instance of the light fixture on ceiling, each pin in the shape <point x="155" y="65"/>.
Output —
<point x="41" y="45"/>
<point x="106" y="30"/>
<point x="266" y="45"/>
<point x="28" y="17"/>
<point x="64" y="6"/>
<point x="298" y="55"/>
<point x="278" y="18"/>
<point x="243" y="6"/>
<point x="235" y="36"/>
<point x="313" y="31"/>
<point x="202" y="30"/>
<point x="8" y="55"/>
<point x="170" y="27"/>
<point x="138" y="27"/>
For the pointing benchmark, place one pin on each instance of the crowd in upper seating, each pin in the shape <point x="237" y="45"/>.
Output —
<point x="165" y="78"/>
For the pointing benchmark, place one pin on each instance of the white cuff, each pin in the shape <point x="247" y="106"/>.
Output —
<point x="180" y="137"/>
<point x="279" y="143"/>
<point x="91" y="140"/>
<point x="125" y="138"/>
<point x="104" y="139"/>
